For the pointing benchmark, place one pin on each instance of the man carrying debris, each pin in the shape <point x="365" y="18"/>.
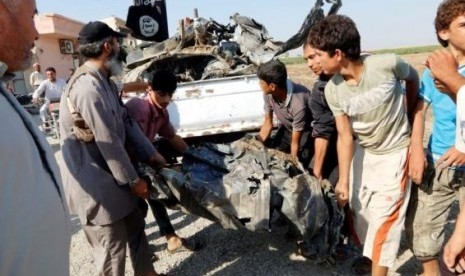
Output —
<point x="289" y="102"/>
<point x="151" y="115"/>
<point x="101" y="184"/>
<point x="323" y="124"/>
<point x="368" y="102"/>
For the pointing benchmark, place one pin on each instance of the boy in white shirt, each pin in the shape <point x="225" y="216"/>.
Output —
<point x="368" y="102"/>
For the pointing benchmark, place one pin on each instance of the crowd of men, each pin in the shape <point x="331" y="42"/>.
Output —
<point x="361" y="125"/>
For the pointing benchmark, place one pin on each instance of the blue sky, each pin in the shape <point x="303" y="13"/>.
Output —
<point x="382" y="23"/>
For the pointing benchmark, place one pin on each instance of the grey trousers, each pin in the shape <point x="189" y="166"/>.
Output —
<point x="108" y="243"/>
<point x="429" y="210"/>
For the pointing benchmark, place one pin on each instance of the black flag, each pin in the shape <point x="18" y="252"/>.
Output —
<point x="148" y="20"/>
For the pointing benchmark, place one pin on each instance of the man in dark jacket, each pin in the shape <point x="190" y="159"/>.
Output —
<point x="323" y="125"/>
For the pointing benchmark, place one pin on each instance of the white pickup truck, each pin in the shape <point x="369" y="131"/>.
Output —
<point x="216" y="106"/>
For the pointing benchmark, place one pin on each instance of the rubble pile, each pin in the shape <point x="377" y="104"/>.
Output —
<point x="242" y="184"/>
<point x="204" y="49"/>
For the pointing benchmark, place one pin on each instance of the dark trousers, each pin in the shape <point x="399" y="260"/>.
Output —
<point x="158" y="209"/>
<point x="161" y="216"/>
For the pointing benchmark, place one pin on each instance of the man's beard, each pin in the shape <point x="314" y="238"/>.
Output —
<point x="114" y="64"/>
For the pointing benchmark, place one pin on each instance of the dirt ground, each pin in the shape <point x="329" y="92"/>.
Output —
<point x="300" y="73"/>
<point x="227" y="252"/>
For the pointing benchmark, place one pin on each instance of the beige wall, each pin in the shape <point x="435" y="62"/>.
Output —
<point x="55" y="24"/>
<point x="48" y="55"/>
<point x="51" y="28"/>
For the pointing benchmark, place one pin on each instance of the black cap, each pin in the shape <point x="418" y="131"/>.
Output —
<point x="96" y="31"/>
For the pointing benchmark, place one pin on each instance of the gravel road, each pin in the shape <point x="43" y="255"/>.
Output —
<point x="227" y="252"/>
<point x="223" y="252"/>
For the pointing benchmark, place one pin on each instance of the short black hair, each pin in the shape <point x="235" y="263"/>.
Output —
<point x="336" y="32"/>
<point x="164" y="81"/>
<point x="50" y="69"/>
<point x="273" y="71"/>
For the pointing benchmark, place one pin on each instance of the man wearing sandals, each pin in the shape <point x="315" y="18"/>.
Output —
<point x="151" y="115"/>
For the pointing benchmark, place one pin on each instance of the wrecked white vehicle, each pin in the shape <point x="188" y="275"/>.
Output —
<point x="216" y="67"/>
<point x="238" y="185"/>
<point x="218" y="90"/>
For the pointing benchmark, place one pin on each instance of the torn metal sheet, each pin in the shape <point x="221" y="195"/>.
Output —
<point x="205" y="49"/>
<point x="315" y="15"/>
<point x="216" y="66"/>
<point x="240" y="185"/>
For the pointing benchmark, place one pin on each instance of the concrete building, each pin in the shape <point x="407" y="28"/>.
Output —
<point x="57" y="46"/>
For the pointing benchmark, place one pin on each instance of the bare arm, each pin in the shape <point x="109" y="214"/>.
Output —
<point x="156" y="160"/>
<point x="38" y="91"/>
<point x="141" y="146"/>
<point x="178" y="143"/>
<point x="443" y="66"/>
<point x="295" y="141"/>
<point x="266" y="128"/>
<point x="412" y="85"/>
<point x="321" y="147"/>
<point x="417" y="156"/>
<point x="454" y="250"/>
<point x="345" y="152"/>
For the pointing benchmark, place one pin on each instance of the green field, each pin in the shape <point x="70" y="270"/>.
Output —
<point x="399" y="51"/>
<point x="409" y="50"/>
